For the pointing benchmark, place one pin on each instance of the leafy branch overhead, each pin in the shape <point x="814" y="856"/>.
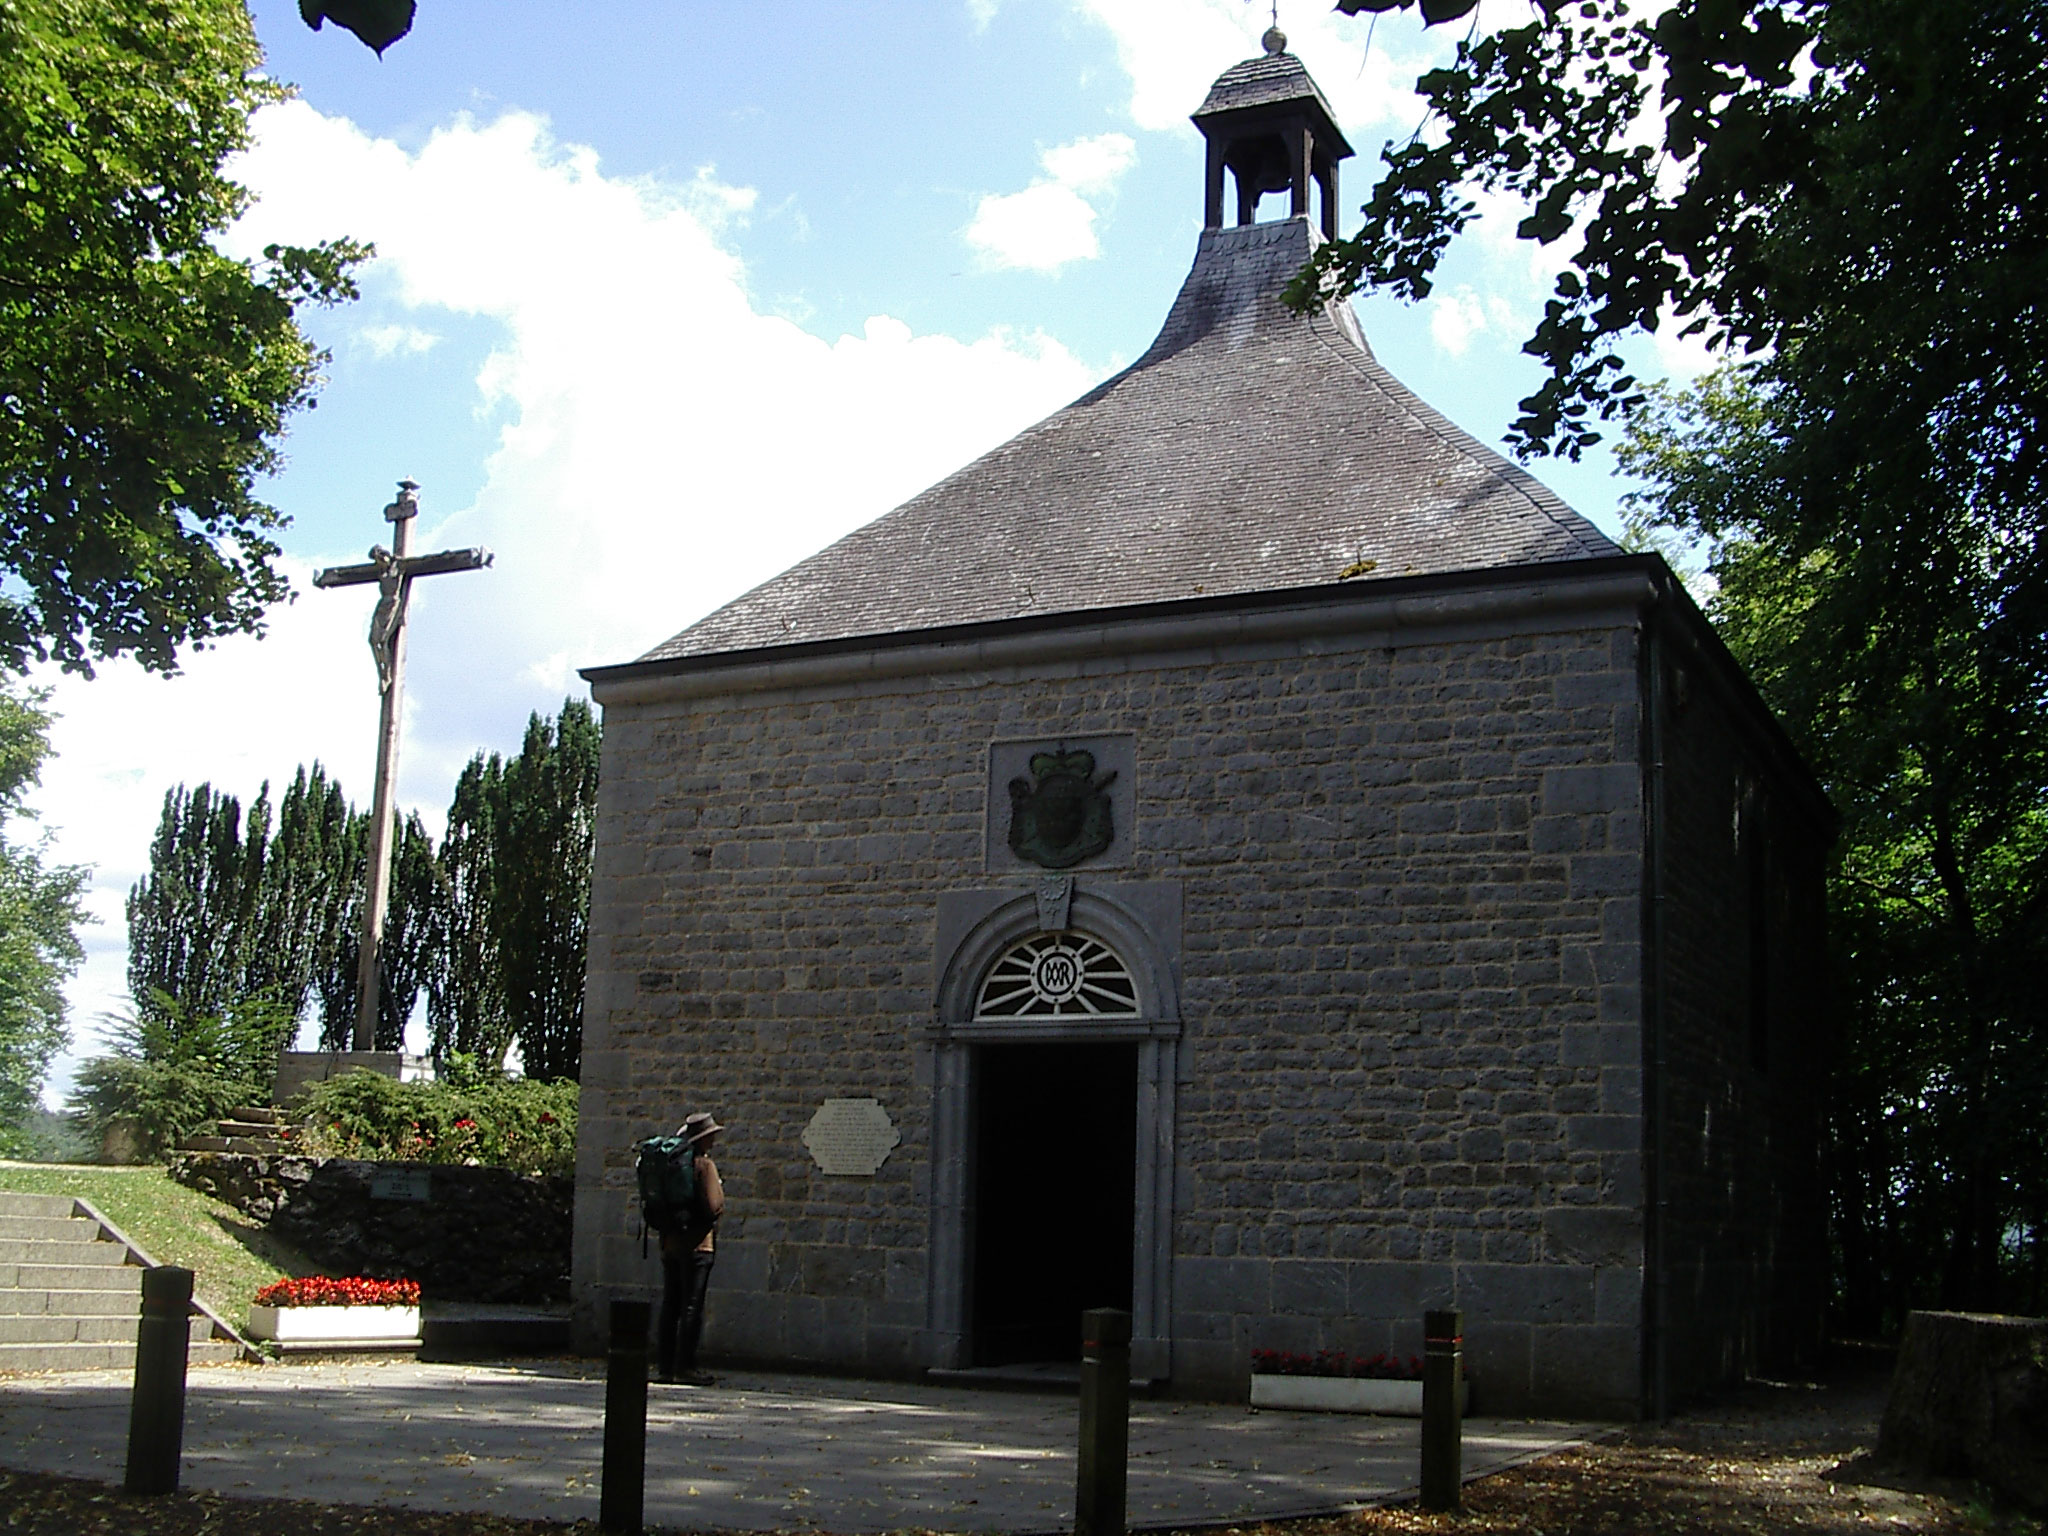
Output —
<point x="145" y="377"/>
<point x="379" y="23"/>
<point x="1705" y="208"/>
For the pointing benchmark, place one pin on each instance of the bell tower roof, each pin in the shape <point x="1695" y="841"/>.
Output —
<point x="1271" y="127"/>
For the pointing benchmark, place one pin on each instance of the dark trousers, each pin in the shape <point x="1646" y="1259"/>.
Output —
<point x="685" y="1277"/>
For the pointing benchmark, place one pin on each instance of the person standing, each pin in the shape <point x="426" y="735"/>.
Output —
<point x="687" y="1253"/>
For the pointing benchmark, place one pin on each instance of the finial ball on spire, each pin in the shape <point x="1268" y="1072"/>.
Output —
<point x="1275" y="41"/>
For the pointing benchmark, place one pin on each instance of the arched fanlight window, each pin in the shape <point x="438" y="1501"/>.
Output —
<point x="1058" y="976"/>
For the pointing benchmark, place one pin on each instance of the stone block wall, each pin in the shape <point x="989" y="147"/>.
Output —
<point x="1410" y="1067"/>
<point x="1742" y="978"/>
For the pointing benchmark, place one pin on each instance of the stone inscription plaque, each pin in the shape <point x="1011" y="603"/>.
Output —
<point x="851" y="1138"/>
<point x="401" y="1184"/>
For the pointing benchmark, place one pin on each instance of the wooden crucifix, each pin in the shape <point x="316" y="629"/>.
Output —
<point x="393" y="571"/>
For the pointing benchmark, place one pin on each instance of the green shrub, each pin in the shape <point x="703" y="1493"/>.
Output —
<point x="166" y="1100"/>
<point x="469" y="1117"/>
<point x="175" y="1069"/>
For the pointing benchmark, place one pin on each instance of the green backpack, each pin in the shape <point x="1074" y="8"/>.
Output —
<point x="666" y="1167"/>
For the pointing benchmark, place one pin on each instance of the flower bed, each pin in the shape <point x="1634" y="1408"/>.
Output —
<point x="1334" y="1362"/>
<point x="1331" y="1381"/>
<point x="356" y="1313"/>
<point x="357" y="1291"/>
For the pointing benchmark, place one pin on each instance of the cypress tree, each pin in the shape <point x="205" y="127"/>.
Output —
<point x="190" y="917"/>
<point x="410" y="922"/>
<point x="466" y="987"/>
<point x="541" y="886"/>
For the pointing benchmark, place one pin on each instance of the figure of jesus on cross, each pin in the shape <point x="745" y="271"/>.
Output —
<point x="392" y="570"/>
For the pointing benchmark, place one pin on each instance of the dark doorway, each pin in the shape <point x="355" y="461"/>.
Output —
<point x="1056" y="1130"/>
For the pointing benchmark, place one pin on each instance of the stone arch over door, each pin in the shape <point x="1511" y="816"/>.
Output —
<point x="1139" y="923"/>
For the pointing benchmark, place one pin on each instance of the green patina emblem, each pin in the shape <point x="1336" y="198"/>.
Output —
<point x="1061" y="814"/>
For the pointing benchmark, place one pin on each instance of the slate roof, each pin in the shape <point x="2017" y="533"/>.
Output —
<point x="1249" y="450"/>
<point x="1266" y="81"/>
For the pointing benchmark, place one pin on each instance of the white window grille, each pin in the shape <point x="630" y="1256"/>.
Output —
<point x="1058" y="976"/>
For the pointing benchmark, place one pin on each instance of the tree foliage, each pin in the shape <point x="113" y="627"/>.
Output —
<point x="230" y="911"/>
<point x="492" y="924"/>
<point x="466" y="1010"/>
<point x="192" y="919"/>
<point x="411" y="915"/>
<point x="40" y="913"/>
<point x="1928" y="722"/>
<point x="145" y="377"/>
<point x="541" y="892"/>
<point x="1853" y="179"/>
<point x="376" y="23"/>
<point x="516" y="871"/>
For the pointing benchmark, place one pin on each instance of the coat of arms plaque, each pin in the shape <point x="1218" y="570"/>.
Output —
<point x="1061" y="814"/>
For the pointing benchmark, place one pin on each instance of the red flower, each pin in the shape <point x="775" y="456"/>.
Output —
<point x="357" y="1291"/>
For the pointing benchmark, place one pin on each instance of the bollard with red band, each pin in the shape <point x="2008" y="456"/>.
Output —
<point x="1443" y="1358"/>
<point x="1105" y="1423"/>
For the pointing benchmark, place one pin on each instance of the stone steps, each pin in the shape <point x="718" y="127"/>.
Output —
<point x="260" y="1146"/>
<point x="61" y="1329"/>
<point x="71" y="1291"/>
<point x="102" y="1357"/>
<point x="44" y="1207"/>
<point x="255" y="1129"/>
<point x="16" y="1302"/>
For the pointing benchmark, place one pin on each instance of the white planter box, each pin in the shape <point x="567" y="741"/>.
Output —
<point x="302" y="1325"/>
<point x="1345" y="1394"/>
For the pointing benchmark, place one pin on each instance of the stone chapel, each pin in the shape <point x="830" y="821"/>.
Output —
<point x="1244" y="851"/>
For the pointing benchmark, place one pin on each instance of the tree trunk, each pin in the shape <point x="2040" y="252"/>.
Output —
<point x="1970" y="1399"/>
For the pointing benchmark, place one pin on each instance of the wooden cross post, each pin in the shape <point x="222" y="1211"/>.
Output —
<point x="392" y="570"/>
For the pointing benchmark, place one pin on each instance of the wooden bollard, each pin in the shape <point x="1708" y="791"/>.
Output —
<point x="156" y="1407"/>
<point x="1443" y="1447"/>
<point x="1105" y="1423"/>
<point x="622" y="1490"/>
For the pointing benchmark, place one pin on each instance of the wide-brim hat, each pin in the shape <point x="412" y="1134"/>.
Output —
<point x="698" y="1126"/>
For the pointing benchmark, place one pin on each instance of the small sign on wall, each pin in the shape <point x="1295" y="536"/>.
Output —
<point x="851" y="1138"/>
<point x="401" y="1184"/>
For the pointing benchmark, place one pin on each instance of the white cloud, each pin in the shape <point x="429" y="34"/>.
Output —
<point x="1052" y="222"/>
<point x="1093" y="165"/>
<point x="389" y="340"/>
<point x="665" y="446"/>
<point x="1457" y="315"/>
<point x="1454" y="319"/>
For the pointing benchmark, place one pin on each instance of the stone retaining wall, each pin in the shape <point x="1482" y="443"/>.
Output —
<point x="466" y="1234"/>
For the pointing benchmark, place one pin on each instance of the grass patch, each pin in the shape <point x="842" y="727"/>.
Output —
<point x="230" y="1256"/>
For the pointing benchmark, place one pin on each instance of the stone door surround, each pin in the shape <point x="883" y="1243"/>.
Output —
<point x="1141" y="922"/>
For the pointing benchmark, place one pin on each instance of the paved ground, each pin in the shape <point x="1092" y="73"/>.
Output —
<point x="756" y="1452"/>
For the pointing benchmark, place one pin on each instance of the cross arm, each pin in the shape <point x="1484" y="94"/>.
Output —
<point x="348" y="575"/>
<point x="446" y="560"/>
<point x="413" y="565"/>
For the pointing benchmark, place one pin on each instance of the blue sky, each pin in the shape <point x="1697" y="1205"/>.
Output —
<point x="670" y="294"/>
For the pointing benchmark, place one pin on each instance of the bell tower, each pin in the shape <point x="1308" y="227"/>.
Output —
<point x="1270" y="127"/>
